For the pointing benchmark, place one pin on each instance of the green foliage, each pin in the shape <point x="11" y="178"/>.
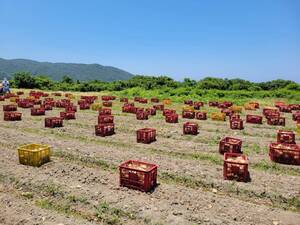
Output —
<point x="164" y="87"/>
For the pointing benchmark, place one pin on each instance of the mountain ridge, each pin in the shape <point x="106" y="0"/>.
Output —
<point x="56" y="70"/>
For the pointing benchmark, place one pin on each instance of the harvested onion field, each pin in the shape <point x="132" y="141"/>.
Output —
<point x="81" y="183"/>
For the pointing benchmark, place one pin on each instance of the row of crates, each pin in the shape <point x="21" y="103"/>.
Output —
<point x="133" y="174"/>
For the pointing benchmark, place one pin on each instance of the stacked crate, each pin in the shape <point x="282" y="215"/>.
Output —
<point x="285" y="150"/>
<point x="231" y="145"/>
<point x="105" y="126"/>
<point x="236" y="167"/>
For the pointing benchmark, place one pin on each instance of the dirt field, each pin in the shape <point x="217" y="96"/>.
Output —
<point x="81" y="183"/>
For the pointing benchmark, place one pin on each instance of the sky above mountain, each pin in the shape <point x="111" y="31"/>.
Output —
<point x="256" y="40"/>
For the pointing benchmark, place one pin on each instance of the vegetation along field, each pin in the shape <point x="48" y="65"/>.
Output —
<point x="80" y="185"/>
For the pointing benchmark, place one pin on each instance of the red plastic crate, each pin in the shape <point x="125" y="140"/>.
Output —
<point x="285" y="108"/>
<point x="285" y="136"/>
<point x="169" y="111"/>
<point x="9" y="108"/>
<point x="53" y="122"/>
<point x="190" y="128"/>
<point x="2" y="98"/>
<point x="137" y="99"/>
<point x="123" y="99"/>
<point x="154" y="100"/>
<point x="105" y="119"/>
<point x="235" y="116"/>
<point x="236" y="167"/>
<point x="294" y="106"/>
<point x="228" y="112"/>
<point x="278" y="104"/>
<point x="296" y="116"/>
<point x="255" y="104"/>
<point x="37" y="101"/>
<point x="230" y="144"/>
<point x="46" y="106"/>
<point x="188" y="102"/>
<point x="269" y="111"/>
<point x="138" y="175"/>
<point x="188" y="114"/>
<point x="146" y="135"/>
<point x="25" y="103"/>
<point x="10" y="95"/>
<point x="89" y="99"/>
<point x="128" y="109"/>
<point x="63" y="103"/>
<point x="108" y="98"/>
<point x="71" y="108"/>
<point x="198" y="105"/>
<point x="276" y="121"/>
<point x="107" y="104"/>
<point x="105" y="129"/>
<point x="84" y="106"/>
<point x="236" y="124"/>
<point x="105" y="111"/>
<point x="224" y="105"/>
<point x="143" y="101"/>
<point x="57" y="94"/>
<point x="171" y="118"/>
<point x="201" y="115"/>
<point x="69" y="115"/>
<point x="151" y="111"/>
<point x="213" y="104"/>
<point x="254" y="119"/>
<point x="12" y="116"/>
<point x="159" y="107"/>
<point x="142" y="115"/>
<point x="285" y="153"/>
<point x="37" y="111"/>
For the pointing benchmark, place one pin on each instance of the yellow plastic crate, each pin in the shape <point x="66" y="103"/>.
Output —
<point x="236" y="109"/>
<point x="34" y="154"/>
<point x="167" y="102"/>
<point x="13" y="99"/>
<point x="249" y="106"/>
<point x="188" y="108"/>
<point x="218" y="116"/>
<point x="96" y="106"/>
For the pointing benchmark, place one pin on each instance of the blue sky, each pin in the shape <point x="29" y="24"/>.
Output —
<point x="256" y="40"/>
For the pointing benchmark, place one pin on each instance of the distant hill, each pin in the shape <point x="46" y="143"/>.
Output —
<point x="57" y="70"/>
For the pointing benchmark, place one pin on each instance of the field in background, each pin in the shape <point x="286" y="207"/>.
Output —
<point x="80" y="185"/>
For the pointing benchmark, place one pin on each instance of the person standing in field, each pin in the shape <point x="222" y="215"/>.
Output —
<point x="5" y="85"/>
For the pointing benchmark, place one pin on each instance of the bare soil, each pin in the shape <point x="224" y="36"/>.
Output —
<point x="81" y="183"/>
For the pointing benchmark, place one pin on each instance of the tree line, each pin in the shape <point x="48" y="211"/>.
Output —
<point x="27" y="80"/>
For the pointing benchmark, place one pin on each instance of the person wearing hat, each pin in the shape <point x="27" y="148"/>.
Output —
<point x="5" y="85"/>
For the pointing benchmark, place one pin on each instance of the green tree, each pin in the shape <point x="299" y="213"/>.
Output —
<point x="23" y="80"/>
